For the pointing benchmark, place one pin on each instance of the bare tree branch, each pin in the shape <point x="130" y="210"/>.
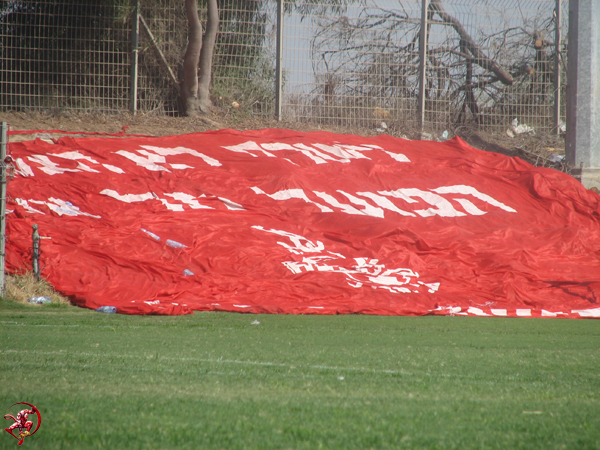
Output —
<point x="480" y="58"/>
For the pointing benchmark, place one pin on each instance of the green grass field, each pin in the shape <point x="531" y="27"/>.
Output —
<point x="220" y="381"/>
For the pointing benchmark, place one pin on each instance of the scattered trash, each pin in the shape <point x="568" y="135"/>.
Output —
<point x="39" y="300"/>
<point x="152" y="235"/>
<point x="557" y="158"/>
<point x="235" y="105"/>
<point x="444" y="136"/>
<point x="107" y="309"/>
<point x="532" y="412"/>
<point x="175" y="244"/>
<point x="256" y="322"/>
<point x="519" y="129"/>
<point x="383" y="128"/>
<point x="187" y="273"/>
<point x="340" y="377"/>
<point x="562" y="126"/>
<point x="426" y="137"/>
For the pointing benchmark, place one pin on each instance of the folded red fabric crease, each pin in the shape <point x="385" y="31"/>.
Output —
<point x="280" y="221"/>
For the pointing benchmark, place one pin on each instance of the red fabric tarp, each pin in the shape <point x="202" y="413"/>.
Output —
<point x="278" y="221"/>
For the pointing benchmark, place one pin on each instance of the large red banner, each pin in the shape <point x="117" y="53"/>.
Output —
<point x="278" y="221"/>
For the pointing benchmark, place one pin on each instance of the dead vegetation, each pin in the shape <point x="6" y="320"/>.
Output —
<point x="21" y="287"/>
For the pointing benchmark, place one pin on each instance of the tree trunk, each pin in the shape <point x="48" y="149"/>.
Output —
<point x="195" y="90"/>
<point x="206" y="56"/>
<point x="189" y="86"/>
<point x="480" y="58"/>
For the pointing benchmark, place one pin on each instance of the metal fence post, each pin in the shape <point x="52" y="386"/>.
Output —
<point x="37" y="270"/>
<point x="557" y="77"/>
<point x="35" y="260"/>
<point x="422" y="64"/>
<point x="279" y="61"/>
<point x="3" y="147"/>
<point x="135" y="39"/>
<point x="583" y="92"/>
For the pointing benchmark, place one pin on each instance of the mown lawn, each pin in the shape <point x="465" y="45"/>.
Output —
<point x="223" y="381"/>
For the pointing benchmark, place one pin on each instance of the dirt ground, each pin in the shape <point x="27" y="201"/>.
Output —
<point x="537" y="149"/>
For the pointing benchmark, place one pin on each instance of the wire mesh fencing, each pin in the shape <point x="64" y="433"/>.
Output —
<point x="485" y="62"/>
<point x="441" y="65"/>
<point x="62" y="55"/>
<point x="243" y="63"/>
<point x="353" y="64"/>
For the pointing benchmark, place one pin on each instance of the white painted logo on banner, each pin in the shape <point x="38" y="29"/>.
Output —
<point x="359" y="272"/>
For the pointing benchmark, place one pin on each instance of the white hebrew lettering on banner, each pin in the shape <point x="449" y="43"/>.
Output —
<point x="291" y="193"/>
<point x="338" y="151"/>
<point x="440" y="205"/>
<point x="128" y="198"/>
<point x="368" y="209"/>
<point x="469" y="207"/>
<point x="398" y="156"/>
<point x="320" y="156"/>
<point x="348" y="209"/>
<point x="318" y="153"/>
<point x="75" y="156"/>
<point x="188" y="200"/>
<point x="469" y="190"/>
<point x="60" y="207"/>
<point x="385" y="203"/>
<point x="361" y="272"/>
<point x="181" y="151"/>
<point x="114" y="169"/>
<point x="247" y="147"/>
<point x="231" y="205"/>
<point x="150" y="157"/>
<point x="311" y="153"/>
<point x="149" y="161"/>
<point x="24" y="204"/>
<point x="301" y="244"/>
<point x="23" y="169"/>
<point x="171" y="206"/>
<point x="48" y="166"/>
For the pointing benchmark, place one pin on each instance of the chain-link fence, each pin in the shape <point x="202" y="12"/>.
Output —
<point x="352" y="63"/>
<point x="77" y="55"/>
<point x="487" y="62"/>
<point x="63" y="55"/>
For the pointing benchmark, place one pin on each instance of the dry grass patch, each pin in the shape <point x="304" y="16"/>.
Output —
<point x="22" y="287"/>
